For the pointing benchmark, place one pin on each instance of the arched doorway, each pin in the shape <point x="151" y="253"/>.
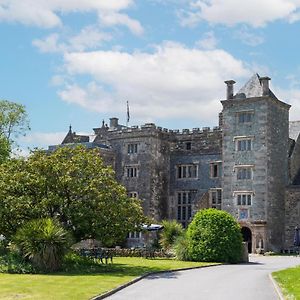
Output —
<point x="247" y="237"/>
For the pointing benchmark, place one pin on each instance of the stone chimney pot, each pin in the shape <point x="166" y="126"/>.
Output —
<point x="230" y="84"/>
<point x="264" y="81"/>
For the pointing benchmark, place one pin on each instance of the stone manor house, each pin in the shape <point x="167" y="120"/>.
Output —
<point x="248" y="166"/>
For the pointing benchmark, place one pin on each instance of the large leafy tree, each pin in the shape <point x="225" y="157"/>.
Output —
<point x="13" y="123"/>
<point x="71" y="185"/>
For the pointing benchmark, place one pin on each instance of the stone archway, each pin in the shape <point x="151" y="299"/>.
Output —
<point x="247" y="237"/>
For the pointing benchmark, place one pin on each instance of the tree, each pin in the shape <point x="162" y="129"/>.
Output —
<point x="214" y="235"/>
<point x="72" y="185"/>
<point x="13" y="123"/>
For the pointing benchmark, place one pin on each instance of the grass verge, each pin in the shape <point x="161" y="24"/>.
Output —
<point x="289" y="282"/>
<point x="82" y="284"/>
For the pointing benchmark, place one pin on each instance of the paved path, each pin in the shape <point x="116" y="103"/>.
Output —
<point x="232" y="282"/>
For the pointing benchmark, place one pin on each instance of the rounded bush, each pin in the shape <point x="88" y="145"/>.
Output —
<point x="214" y="235"/>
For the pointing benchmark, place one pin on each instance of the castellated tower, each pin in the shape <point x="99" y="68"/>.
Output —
<point x="255" y="162"/>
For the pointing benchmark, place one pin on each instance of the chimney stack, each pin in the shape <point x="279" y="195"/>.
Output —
<point x="230" y="84"/>
<point x="264" y="81"/>
<point x="113" y="122"/>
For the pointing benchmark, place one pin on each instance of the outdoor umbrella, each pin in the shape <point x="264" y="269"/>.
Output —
<point x="152" y="227"/>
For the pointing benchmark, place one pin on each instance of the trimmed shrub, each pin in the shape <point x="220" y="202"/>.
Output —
<point x="44" y="242"/>
<point x="171" y="231"/>
<point x="214" y="235"/>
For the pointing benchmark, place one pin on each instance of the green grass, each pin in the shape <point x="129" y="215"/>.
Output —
<point x="289" y="282"/>
<point x="81" y="284"/>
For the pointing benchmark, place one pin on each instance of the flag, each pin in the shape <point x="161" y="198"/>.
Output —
<point x="128" y="115"/>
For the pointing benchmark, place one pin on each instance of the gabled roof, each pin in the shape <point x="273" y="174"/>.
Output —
<point x="253" y="88"/>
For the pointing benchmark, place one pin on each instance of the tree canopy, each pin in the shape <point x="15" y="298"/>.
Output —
<point x="13" y="123"/>
<point x="71" y="185"/>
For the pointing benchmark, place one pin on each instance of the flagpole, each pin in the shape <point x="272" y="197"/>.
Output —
<point x="128" y="115"/>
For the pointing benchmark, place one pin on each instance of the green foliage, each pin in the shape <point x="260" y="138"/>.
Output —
<point x="13" y="122"/>
<point x="171" y="231"/>
<point x="71" y="185"/>
<point x="214" y="235"/>
<point x="44" y="242"/>
<point x="13" y="262"/>
<point x="181" y="246"/>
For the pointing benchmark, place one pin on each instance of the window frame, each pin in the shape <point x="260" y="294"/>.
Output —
<point x="131" y="171"/>
<point x="244" y="198"/>
<point x="187" y="171"/>
<point x="132" y="148"/>
<point x="243" y="143"/>
<point x="245" y="117"/>
<point x="216" y="201"/>
<point x="244" y="172"/>
<point x="184" y="201"/>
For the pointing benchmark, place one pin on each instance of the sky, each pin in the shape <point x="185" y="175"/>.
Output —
<point x="79" y="61"/>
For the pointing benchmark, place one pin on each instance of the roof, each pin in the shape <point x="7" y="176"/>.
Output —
<point x="253" y="88"/>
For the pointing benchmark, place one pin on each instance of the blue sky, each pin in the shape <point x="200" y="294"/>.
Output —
<point x="78" y="62"/>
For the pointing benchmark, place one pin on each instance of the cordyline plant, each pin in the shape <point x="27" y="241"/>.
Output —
<point x="44" y="242"/>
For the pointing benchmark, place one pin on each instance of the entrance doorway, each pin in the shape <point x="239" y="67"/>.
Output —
<point x="247" y="237"/>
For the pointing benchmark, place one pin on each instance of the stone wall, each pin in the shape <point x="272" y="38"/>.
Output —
<point x="292" y="214"/>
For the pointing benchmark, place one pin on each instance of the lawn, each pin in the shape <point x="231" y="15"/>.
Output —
<point x="83" y="285"/>
<point x="289" y="281"/>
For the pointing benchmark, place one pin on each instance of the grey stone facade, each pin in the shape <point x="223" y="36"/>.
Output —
<point x="247" y="166"/>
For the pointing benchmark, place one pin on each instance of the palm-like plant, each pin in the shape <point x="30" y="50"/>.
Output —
<point x="172" y="230"/>
<point x="44" y="242"/>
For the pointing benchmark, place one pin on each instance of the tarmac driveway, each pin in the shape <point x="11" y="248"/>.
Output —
<point x="232" y="282"/>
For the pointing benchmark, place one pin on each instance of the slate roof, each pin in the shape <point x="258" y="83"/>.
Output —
<point x="252" y="88"/>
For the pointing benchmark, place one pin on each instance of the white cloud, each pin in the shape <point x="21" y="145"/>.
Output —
<point x="249" y="38"/>
<point x="41" y="139"/>
<point x="291" y="96"/>
<point x="47" y="14"/>
<point x="173" y="81"/>
<point x="88" y="38"/>
<point x="111" y="19"/>
<point x="255" y="13"/>
<point x="208" y="42"/>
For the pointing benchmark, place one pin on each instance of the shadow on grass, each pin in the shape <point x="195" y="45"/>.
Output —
<point x="119" y="270"/>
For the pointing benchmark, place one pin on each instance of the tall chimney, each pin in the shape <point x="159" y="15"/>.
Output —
<point x="230" y="84"/>
<point x="264" y="81"/>
<point x="113" y="122"/>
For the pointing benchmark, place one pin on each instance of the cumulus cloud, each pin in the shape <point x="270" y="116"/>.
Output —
<point x="208" y="42"/>
<point x="248" y="37"/>
<point x="255" y="13"/>
<point x="171" y="82"/>
<point x="41" y="139"/>
<point x="88" y="38"/>
<point x="47" y="14"/>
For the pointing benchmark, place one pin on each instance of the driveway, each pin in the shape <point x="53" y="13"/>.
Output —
<point x="232" y="282"/>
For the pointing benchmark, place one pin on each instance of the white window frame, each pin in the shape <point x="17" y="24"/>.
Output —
<point x="247" y="172"/>
<point x="247" y="143"/>
<point x="187" y="171"/>
<point x="216" y="198"/>
<point x="244" y="198"/>
<point x="214" y="164"/>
